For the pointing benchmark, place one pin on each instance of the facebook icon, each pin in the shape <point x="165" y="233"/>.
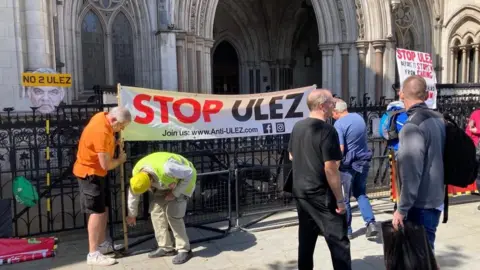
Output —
<point x="267" y="128"/>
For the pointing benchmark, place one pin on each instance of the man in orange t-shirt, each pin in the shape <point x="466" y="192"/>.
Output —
<point x="95" y="153"/>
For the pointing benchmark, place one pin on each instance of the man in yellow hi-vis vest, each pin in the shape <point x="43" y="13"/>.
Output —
<point x="171" y="178"/>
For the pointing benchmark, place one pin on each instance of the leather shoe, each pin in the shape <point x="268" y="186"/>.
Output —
<point x="160" y="252"/>
<point x="182" y="257"/>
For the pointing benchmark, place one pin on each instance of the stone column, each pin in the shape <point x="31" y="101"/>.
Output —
<point x="208" y="45"/>
<point x="241" y="77"/>
<point x="362" y="47"/>
<point x="464" y="64"/>
<point x="327" y="70"/>
<point x="191" y="65"/>
<point x="199" y="68"/>
<point x="168" y="61"/>
<point x="454" y="65"/>
<point x="109" y="58"/>
<point x="379" y="46"/>
<point x="476" y="62"/>
<point x="37" y="26"/>
<point x="181" y="72"/>
<point x="345" y="50"/>
<point x="277" y="77"/>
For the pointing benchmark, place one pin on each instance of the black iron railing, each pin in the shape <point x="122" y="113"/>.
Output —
<point x="237" y="177"/>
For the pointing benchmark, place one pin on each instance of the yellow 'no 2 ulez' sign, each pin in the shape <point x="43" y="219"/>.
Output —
<point x="46" y="79"/>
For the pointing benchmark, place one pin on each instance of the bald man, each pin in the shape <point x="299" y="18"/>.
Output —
<point x="315" y="153"/>
<point x="420" y="160"/>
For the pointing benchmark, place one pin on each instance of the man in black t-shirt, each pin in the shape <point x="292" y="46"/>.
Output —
<point x="315" y="153"/>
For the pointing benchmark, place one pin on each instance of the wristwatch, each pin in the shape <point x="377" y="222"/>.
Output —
<point x="340" y="201"/>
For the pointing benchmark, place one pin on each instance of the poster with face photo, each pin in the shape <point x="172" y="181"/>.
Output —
<point x="46" y="92"/>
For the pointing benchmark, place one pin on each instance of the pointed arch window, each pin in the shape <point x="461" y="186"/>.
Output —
<point x="93" y="51"/>
<point x="123" y="58"/>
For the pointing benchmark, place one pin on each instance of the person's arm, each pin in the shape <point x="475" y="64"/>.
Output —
<point x="341" y="140"/>
<point x="333" y="179"/>
<point x="330" y="149"/>
<point x="107" y="163"/>
<point x="341" y="136"/>
<point x="410" y="160"/>
<point x="182" y="172"/>
<point x="101" y="144"/>
<point x="132" y="204"/>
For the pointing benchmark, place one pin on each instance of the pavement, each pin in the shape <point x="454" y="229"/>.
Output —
<point x="457" y="247"/>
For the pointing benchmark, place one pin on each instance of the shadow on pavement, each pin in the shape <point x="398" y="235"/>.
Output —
<point x="290" y="265"/>
<point x="369" y="263"/>
<point x="236" y="242"/>
<point x="452" y="258"/>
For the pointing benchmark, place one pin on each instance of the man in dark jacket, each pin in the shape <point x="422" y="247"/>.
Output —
<point x="420" y="161"/>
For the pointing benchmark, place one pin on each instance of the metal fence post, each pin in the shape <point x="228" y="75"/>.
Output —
<point x="237" y="200"/>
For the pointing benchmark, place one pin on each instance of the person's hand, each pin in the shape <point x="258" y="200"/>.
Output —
<point x="341" y="208"/>
<point x="131" y="221"/>
<point x="397" y="220"/>
<point x="122" y="157"/>
<point x="170" y="197"/>
<point x="120" y="143"/>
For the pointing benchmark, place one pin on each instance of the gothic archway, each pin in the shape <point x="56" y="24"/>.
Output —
<point x="225" y="69"/>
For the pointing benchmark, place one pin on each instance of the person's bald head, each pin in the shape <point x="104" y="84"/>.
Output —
<point x="318" y="98"/>
<point x="414" y="88"/>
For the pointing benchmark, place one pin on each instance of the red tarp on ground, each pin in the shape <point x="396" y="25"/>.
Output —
<point x="14" y="250"/>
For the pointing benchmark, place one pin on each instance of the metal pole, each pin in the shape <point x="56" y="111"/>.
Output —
<point x="122" y="185"/>
<point x="47" y="150"/>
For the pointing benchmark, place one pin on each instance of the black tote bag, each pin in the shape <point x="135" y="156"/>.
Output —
<point x="407" y="248"/>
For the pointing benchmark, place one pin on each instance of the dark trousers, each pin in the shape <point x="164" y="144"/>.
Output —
<point x="429" y="218"/>
<point x="317" y="216"/>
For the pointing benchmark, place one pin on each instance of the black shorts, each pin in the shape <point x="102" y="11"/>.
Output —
<point x="93" y="194"/>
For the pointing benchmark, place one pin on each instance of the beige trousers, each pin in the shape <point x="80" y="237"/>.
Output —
<point x="167" y="214"/>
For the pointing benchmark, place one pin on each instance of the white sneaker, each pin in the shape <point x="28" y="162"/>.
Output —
<point x="108" y="247"/>
<point x="99" y="259"/>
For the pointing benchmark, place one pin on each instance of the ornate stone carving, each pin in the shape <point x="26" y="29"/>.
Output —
<point x="404" y="25"/>
<point x="404" y="15"/>
<point x="360" y="20"/>
<point x="362" y="47"/>
<point x="193" y="16"/>
<point x="341" y="14"/>
<point x="203" y="12"/>
<point x="394" y="4"/>
<point x="128" y="6"/>
<point x="378" y="45"/>
<point x="109" y="5"/>
<point x="345" y="48"/>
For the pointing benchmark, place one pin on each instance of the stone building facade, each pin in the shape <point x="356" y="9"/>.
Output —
<point x="233" y="46"/>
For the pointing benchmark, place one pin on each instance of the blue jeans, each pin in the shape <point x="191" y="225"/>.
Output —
<point x="358" y="189"/>
<point x="429" y="218"/>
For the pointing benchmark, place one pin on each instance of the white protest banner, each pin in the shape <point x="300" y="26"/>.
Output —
<point x="421" y="64"/>
<point x="166" y="115"/>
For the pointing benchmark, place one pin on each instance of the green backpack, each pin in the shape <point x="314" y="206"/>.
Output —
<point x="24" y="192"/>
